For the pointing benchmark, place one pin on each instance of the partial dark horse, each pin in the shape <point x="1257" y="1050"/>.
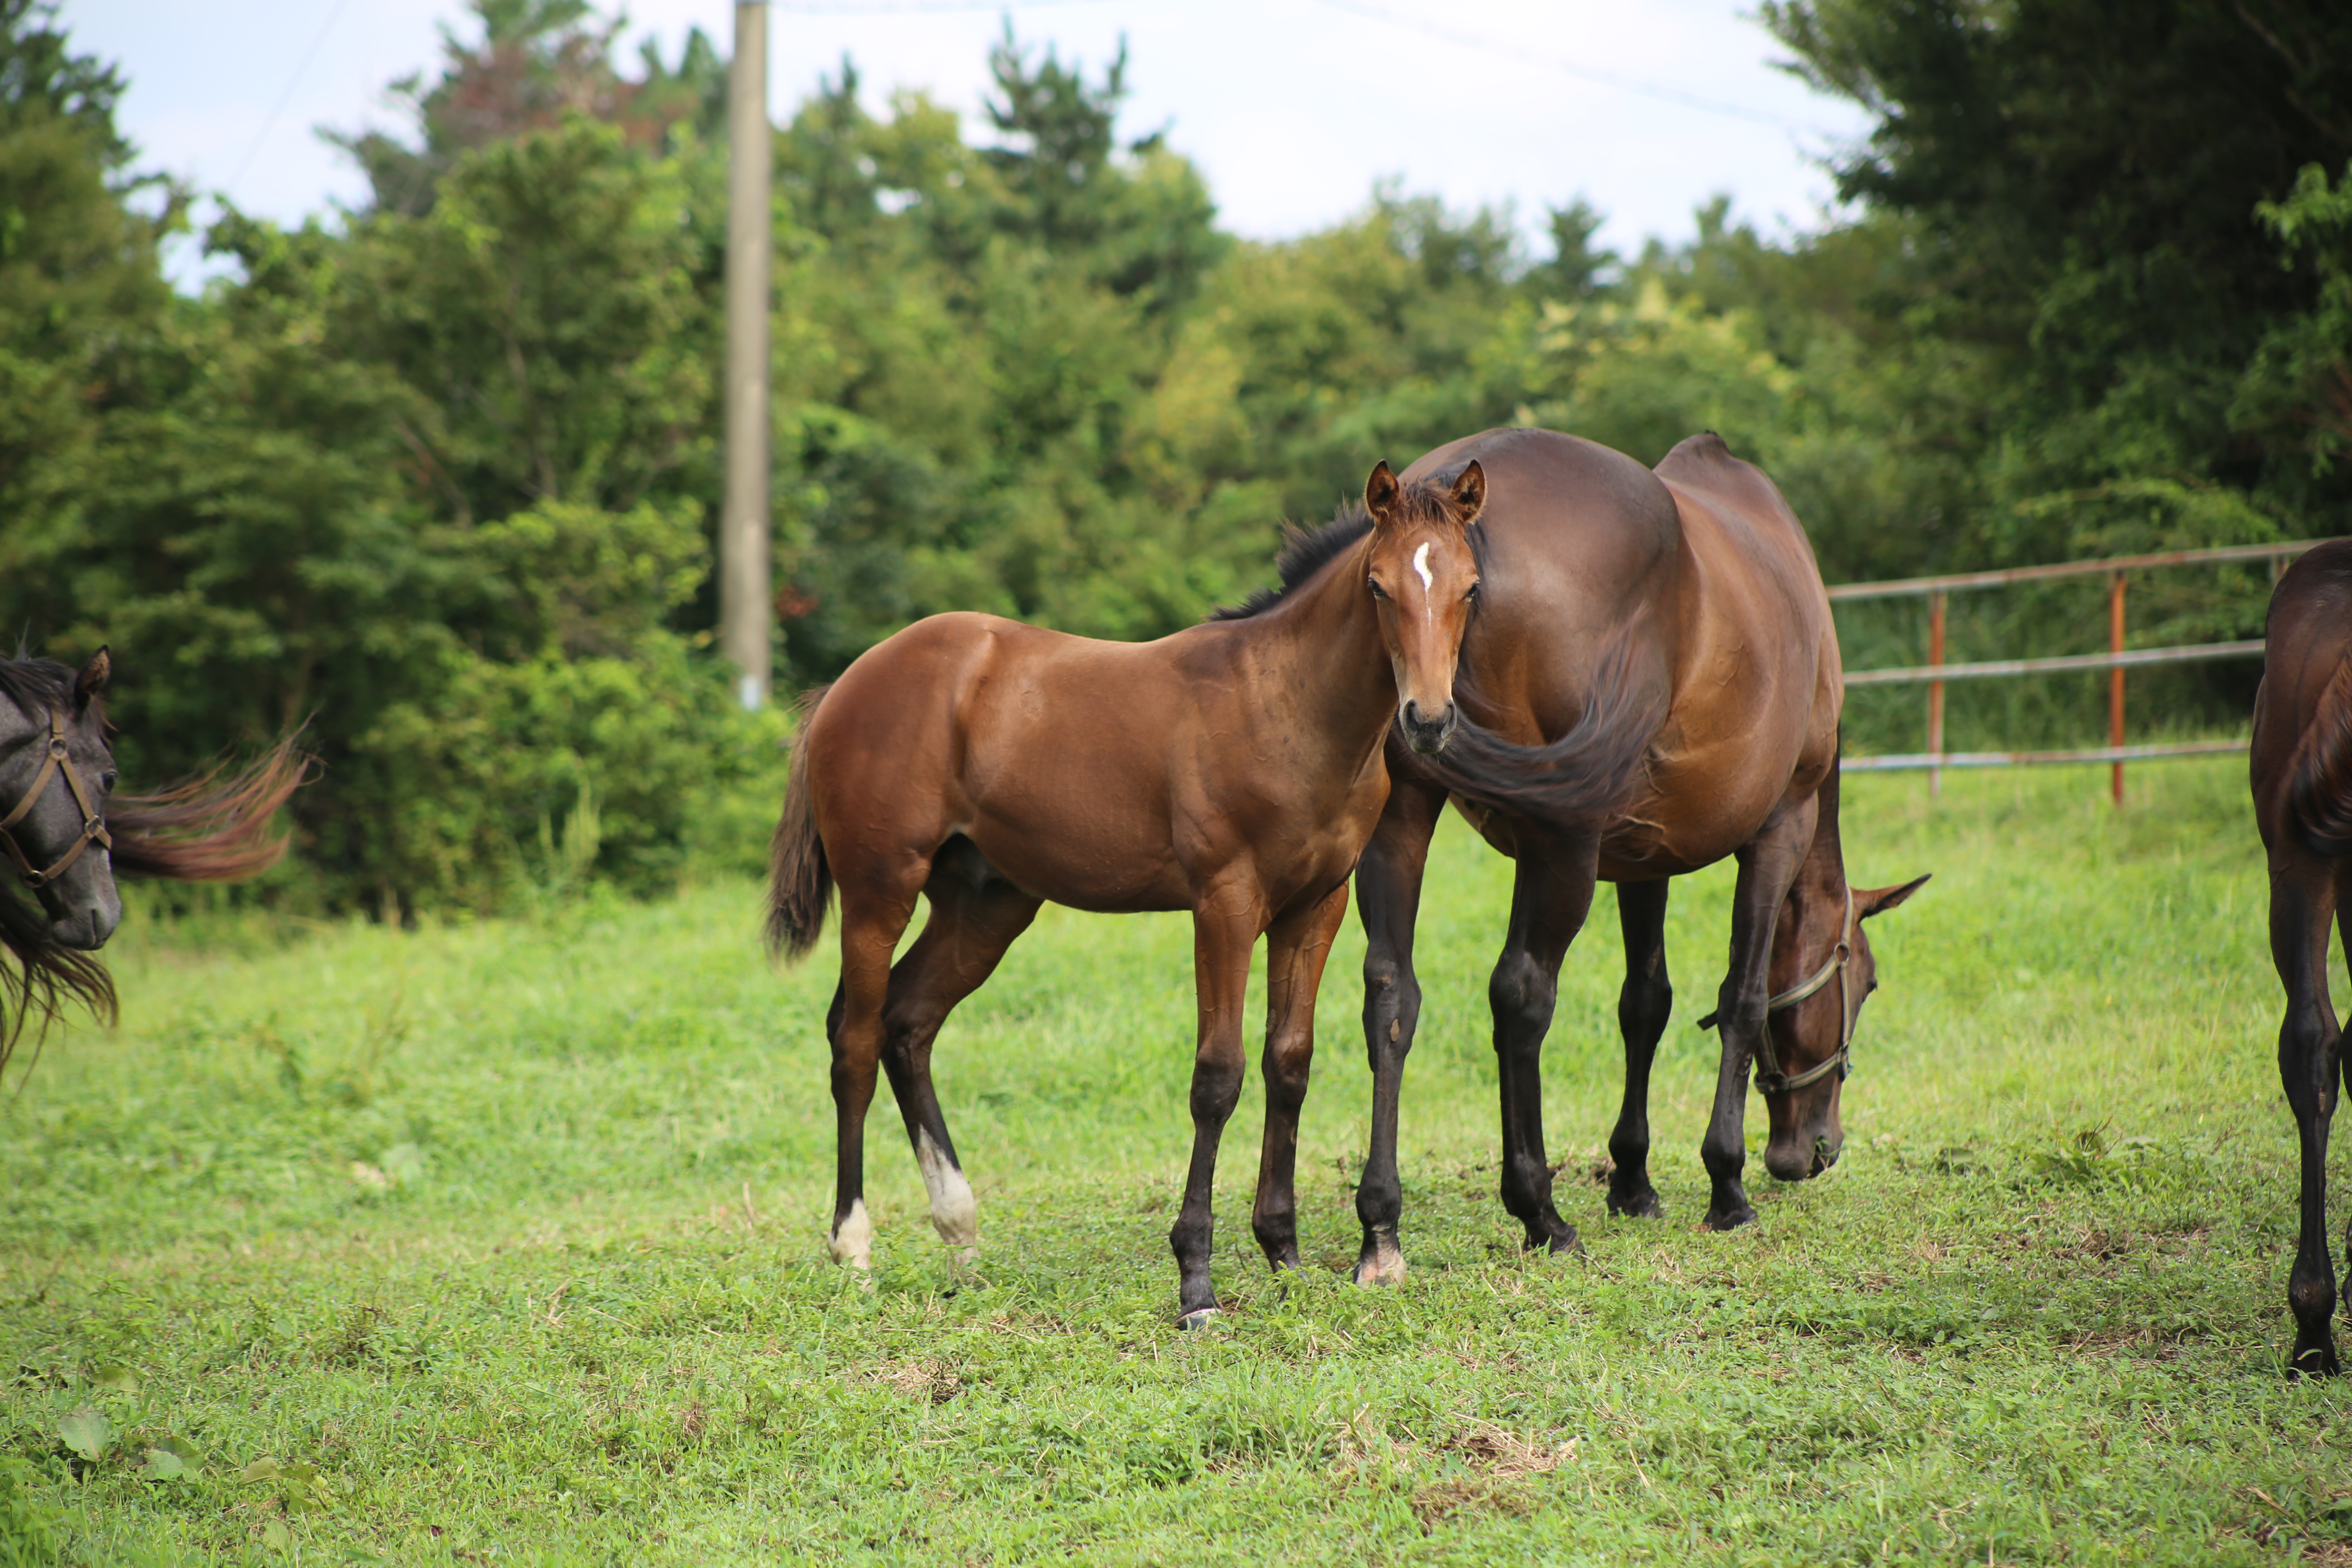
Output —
<point x="66" y="834"/>
<point x="1231" y="769"/>
<point x="1705" y="576"/>
<point x="2302" y="775"/>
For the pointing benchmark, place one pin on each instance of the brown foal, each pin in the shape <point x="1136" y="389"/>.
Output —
<point x="2302" y="775"/>
<point x="1233" y="769"/>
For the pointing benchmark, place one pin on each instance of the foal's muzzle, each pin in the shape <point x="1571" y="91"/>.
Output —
<point x="1426" y="735"/>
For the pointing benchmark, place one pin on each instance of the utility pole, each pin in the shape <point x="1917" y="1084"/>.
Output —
<point x="746" y="606"/>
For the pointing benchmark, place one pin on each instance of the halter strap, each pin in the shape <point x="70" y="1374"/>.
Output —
<point x="93" y="826"/>
<point x="1771" y="1079"/>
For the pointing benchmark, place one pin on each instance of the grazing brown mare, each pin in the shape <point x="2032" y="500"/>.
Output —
<point x="2302" y="773"/>
<point x="1685" y="601"/>
<point x="1233" y="769"/>
<point x="66" y="835"/>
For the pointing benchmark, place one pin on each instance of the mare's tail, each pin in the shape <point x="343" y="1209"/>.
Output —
<point x="800" y="883"/>
<point x="2319" y="777"/>
<point x="208" y="829"/>
<point x="1581" y="780"/>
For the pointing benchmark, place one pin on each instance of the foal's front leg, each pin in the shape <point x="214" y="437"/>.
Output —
<point x="1223" y="935"/>
<point x="1295" y="948"/>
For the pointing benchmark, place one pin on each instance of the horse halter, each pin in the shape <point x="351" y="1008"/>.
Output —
<point x="1771" y="1079"/>
<point x="93" y="826"/>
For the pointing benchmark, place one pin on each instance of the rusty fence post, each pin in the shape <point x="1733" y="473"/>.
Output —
<point x="1935" y="693"/>
<point x="2115" y="681"/>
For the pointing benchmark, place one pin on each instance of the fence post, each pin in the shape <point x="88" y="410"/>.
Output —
<point x="1935" y="694"/>
<point x="2116" y="680"/>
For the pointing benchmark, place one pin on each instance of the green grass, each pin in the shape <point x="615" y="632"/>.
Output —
<point x="503" y="1242"/>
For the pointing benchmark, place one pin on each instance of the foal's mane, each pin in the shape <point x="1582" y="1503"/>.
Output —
<point x="1304" y="551"/>
<point x="37" y="975"/>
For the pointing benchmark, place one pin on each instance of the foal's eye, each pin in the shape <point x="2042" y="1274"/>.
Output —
<point x="106" y="779"/>
<point x="1377" y="592"/>
<point x="1471" y="592"/>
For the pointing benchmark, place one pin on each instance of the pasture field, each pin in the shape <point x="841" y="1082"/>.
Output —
<point x="503" y="1242"/>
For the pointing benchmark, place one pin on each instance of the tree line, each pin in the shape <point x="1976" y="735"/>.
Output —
<point x="438" y="477"/>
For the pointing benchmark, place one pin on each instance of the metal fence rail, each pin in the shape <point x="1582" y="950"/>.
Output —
<point x="2116" y="660"/>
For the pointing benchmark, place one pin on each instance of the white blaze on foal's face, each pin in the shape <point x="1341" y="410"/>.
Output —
<point x="1428" y="584"/>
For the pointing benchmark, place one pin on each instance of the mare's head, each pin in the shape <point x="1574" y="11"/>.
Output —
<point x="1818" y="943"/>
<point x="1422" y="574"/>
<point x="56" y="773"/>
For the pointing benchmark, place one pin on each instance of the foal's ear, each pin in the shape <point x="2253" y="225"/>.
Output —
<point x="92" y="678"/>
<point x="1470" y="493"/>
<point x="1381" y="490"/>
<point x="1869" y="901"/>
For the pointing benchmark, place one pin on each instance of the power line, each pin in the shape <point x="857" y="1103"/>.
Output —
<point x="1568" y="68"/>
<point x="286" y="97"/>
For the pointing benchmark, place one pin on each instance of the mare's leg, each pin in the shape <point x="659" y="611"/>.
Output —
<point x="2303" y="897"/>
<point x="872" y="917"/>
<point x="1769" y="863"/>
<point x="1549" y="898"/>
<point x="1388" y="899"/>
<point x="1223" y="931"/>
<point x="1295" y="949"/>
<point x="1643" y="1006"/>
<point x="967" y="933"/>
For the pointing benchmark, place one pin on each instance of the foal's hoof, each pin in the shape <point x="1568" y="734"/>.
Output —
<point x="1200" y="1318"/>
<point x="1382" y="1264"/>
<point x="1727" y="1219"/>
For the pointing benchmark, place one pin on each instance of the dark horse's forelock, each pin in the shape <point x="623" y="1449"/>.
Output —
<point x="35" y="686"/>
<point x="1307" y="551"/>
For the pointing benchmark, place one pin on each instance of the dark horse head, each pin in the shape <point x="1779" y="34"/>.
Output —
<point x="57" y="771"/>
<point x="1821" y="973"/>
<point x="66" y="834"/>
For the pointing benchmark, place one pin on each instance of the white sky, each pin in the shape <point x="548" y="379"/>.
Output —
<point x="1292" y="107"/>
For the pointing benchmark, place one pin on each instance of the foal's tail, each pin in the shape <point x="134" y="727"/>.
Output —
<point x="1579" y="782"/>
<point x="2319" y="778"/>
<point x="800" y="883"/>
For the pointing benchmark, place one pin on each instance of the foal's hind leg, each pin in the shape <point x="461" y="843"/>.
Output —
<point x="1224" y="929"/>
<point x="1549" y="898"/>
<point x="1642" y="1007"/>
<point x="967" y="933"/>
<point x="872" y="917"/>
<point x="2304" y="892"/>
<point x="1295" y="949"/>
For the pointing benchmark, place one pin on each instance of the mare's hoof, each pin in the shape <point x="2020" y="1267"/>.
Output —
<point x="2314" y="1360"/>
<point x="1382" y="1264"/>
<point x="1643" y="1204"/>
<point x="1201" y="1319"/>
<point x="1727" y="1219"/>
